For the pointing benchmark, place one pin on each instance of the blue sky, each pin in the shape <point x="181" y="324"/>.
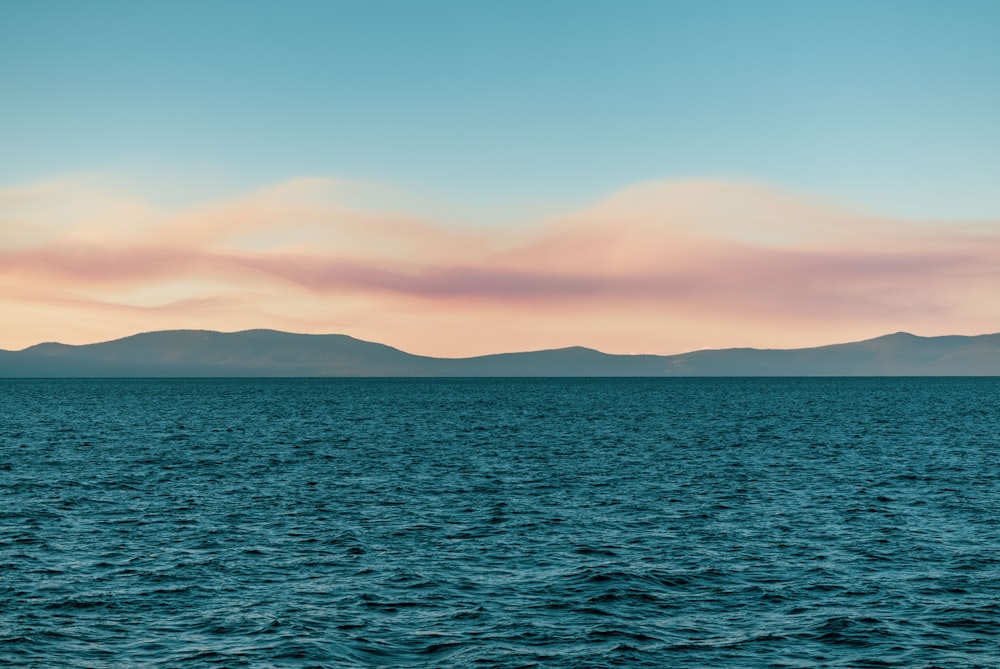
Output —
<point x="494" y="107"/>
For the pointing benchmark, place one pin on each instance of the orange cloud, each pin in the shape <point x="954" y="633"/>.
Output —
<point x="660" y="267"/>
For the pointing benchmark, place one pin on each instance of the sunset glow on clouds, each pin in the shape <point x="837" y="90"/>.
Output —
<point x="659" y="267"/>
<point x="457" y="178"/>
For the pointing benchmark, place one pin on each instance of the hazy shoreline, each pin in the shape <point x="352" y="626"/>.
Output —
<point x="270" y="353"/>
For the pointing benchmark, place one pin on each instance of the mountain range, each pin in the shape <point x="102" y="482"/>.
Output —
<point x="269" y="353"/>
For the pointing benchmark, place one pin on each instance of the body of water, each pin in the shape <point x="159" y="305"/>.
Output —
<point x="500" y="523"/>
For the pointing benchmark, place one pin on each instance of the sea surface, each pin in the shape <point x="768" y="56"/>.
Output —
<point x="500" y="523"/>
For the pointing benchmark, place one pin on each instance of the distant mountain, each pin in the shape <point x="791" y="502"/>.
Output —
<point x="183" y="353"/>
<point x="899" y="354"/>
<point x="202" y="353"/>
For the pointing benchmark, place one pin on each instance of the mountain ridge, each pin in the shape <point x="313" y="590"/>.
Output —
<point x="267" y="353"/>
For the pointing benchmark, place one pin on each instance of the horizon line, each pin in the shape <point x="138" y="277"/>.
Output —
<point x="559" y="348"/>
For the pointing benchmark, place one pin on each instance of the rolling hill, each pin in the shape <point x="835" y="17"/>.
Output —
<point x="269" y="353"/>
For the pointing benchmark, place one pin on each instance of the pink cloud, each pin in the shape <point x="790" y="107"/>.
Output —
<point x="659" y="267"/>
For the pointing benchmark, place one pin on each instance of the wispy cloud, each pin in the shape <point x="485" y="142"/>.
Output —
<point x="658" y="267"/>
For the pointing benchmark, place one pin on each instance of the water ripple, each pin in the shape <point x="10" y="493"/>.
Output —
<point x="504" y="523"/>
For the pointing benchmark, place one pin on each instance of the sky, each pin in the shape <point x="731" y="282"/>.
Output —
<point x="462" y="178"/>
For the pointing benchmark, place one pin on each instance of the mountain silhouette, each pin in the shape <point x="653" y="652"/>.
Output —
<point x="269" y="353"/>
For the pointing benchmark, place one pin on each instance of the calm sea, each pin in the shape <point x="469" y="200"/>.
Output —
<point x="500" y="523"/>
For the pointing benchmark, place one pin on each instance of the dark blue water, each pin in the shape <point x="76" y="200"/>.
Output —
<point x="500" y="523"/>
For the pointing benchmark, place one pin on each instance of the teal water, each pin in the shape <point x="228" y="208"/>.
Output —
<point x="502" y="523"/>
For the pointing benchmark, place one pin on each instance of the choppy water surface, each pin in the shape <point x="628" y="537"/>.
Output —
<point x="508" y="523"/>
